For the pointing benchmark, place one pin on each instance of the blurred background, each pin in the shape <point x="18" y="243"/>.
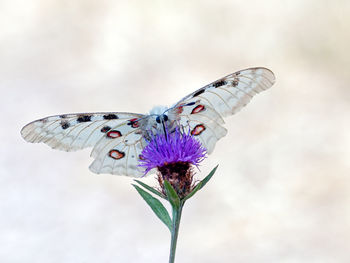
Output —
<point x="282" y="190"/>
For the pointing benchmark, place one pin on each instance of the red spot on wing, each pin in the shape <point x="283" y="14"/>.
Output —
<point x="198" y="130"/>
<point x="198" y="109"/>
<point x="114" y="134"/>
<point x="115" y="154"/>
<point x="179" y="109"/>
<point x="134" y="123"/>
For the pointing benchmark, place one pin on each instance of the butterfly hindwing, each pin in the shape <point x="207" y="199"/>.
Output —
<point x="202" y="121"/>
<point x="121" y="159"/>
<point x="119" y="150"/>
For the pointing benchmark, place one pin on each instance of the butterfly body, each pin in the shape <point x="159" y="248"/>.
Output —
<point x="118" y="138"/>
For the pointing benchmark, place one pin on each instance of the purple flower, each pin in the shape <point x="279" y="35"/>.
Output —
<point x="173" y="155"/>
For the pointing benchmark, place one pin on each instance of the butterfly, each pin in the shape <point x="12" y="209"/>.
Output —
<point x="118" y="138"/>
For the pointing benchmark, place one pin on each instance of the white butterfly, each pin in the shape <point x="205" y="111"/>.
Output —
<point x="118" y="138"/>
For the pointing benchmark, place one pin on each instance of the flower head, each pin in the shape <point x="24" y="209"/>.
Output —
<point x="173" y="154"/>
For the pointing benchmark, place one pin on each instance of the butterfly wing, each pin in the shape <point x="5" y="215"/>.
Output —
<point x="72" y="132"/>
<point x="118" y="139"/>
<point x="119" y="151"/>
<point x="229" y="94"/>
<point x="202" y="110"/>
<point x="202" y="121"/>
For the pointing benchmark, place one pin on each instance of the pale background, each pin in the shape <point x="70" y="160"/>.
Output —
<point x="282" y="190"/>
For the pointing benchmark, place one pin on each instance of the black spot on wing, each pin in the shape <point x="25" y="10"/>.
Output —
<point x="219" y="83"/>
<point x="199" y="92"/>
<point x="110" y="117"/>
<point x="84" y="118"/>
<point x="65" y="125"/>
<point x="105" y="129"/>
<point x="235" y="82"/>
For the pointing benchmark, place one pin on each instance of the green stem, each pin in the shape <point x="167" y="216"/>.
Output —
<point x="175" y="230"/>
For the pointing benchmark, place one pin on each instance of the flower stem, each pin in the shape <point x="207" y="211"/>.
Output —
<point x="175" y="230"/>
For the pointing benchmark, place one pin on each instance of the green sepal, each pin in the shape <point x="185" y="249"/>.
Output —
<point x="201" y="184"/>
<point x="156" y="206"/>
<point x="197" y="187"/>
<point x="151" y="189"/>
<point x="171" y="194"/>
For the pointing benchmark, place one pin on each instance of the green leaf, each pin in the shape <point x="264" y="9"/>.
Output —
<point x="156" y="206"/>
<point x="208" y="177"/>
<point x="151" y="189"/>
<point x="171" y="194"/>
<point x="201" y="184"/>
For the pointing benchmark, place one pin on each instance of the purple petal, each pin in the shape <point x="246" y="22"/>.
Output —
<point x="171" y="148"/>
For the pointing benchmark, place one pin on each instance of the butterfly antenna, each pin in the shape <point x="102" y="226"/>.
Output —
<point x="165" y="130"/>
<point x="144" y="117"/>
<point x="179" y="106"/>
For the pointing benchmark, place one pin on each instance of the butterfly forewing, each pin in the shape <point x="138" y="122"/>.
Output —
<point x="229" y="94"/>
<point x="73" y="132"/>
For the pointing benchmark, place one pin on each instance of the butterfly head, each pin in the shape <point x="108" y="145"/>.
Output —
<point x="159" y="113"/>
<point x="160" y="120"/>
